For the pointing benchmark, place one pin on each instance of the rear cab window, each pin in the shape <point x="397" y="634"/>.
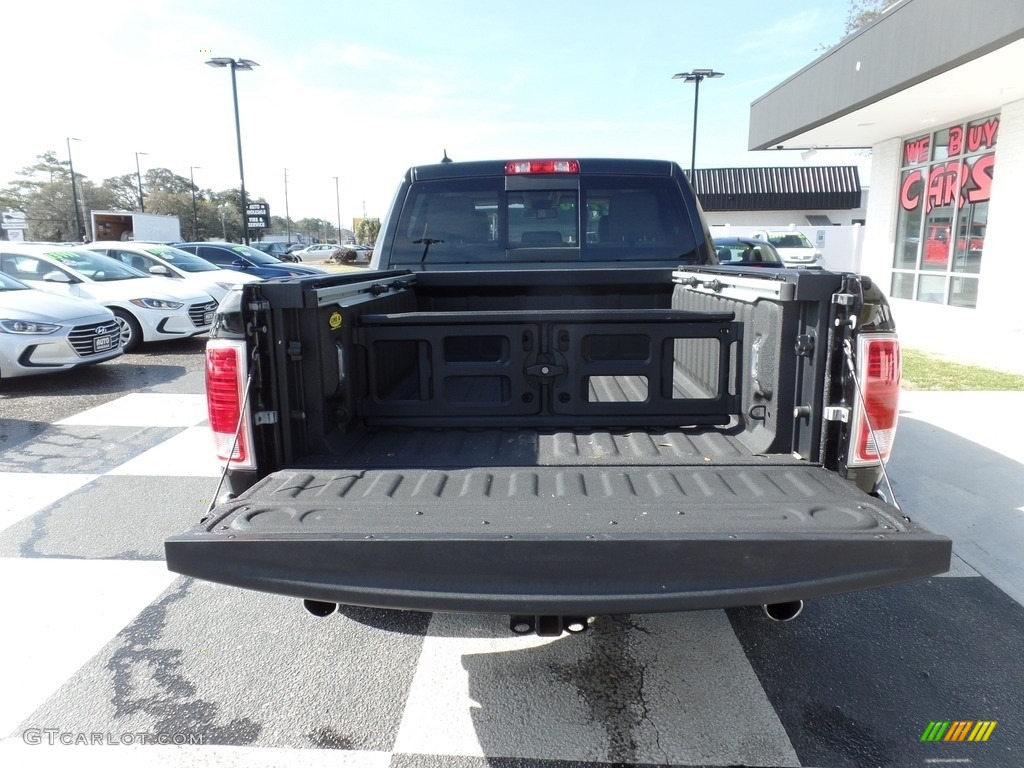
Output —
<point x="551" y="218"/>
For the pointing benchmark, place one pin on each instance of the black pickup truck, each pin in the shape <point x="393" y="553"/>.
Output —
<point x="546" y="399"/>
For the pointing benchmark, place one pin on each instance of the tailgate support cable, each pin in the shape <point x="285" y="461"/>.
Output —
<point x="848" y="349"/>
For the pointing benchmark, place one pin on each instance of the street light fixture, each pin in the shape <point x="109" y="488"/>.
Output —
<point x="245" y="65"/>
<point x="695" y="77"/>
<point x="195" y="212"/>
<point x="74" y="192"/>
<point x="138" y="175"/>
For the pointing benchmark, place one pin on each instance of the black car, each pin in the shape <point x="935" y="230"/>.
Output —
<point x="747" y="252"/>
<point x="277" y="250"/>
<point x="242" y="258"/>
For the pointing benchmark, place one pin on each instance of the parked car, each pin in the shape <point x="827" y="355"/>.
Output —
<point x="363" y="253"/>
<point x="147" y="308"/>
<point x="168" y="261"/>
<point x="277" y="250"/>
<point x="794" y="248"/>
<point x="242" y="258"/>
<point x="747" y="252"/>
<point x="42" y="332"/>
<point x="318" y="252"/>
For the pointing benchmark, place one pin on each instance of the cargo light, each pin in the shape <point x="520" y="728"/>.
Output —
<point x="527" y="167"/>
<point x="877" y="404"/>
<point x="226" y="375"/>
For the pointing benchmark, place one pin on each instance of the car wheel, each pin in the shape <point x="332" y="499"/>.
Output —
<point x="131" y="332"/>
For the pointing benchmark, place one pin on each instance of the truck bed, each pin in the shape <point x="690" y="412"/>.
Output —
<point x="558" y="444"/>
<point x="523" y="447"/>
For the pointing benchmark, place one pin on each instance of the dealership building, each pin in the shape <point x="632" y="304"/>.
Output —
<point x="935" y="89"/>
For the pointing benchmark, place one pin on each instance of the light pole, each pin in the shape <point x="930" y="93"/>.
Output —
<point x="74" y="192"/>
<point x="195" y="212"/>
<point x="244" y="65"/>
<point x="138" y="175"/>
<point x="337" y="202"/>
<point x="695" y="77"/>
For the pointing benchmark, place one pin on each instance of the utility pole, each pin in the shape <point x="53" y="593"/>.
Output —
<point x="337" y="200"/>
<point x="195" y="210"/>
<point x="287" y="218"/>
<point x="138" y="175"/>
<point x="74" y="193"/>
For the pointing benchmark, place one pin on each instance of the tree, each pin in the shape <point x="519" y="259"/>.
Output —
<point x="282" y="226"/>
<point x="863" y="12"/>
<point x="319" y="230"/>
<point x="122" y="192"/>
<point x="367" y="231"/>
<point x="44" y="196"/>
<point x="164" y="180"/>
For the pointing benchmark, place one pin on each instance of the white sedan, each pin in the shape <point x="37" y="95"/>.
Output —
<point x="41" y="332"/>
<point x="147" y="308"/>
<point x="168" y="261"/>
<point x="317" y="252"/>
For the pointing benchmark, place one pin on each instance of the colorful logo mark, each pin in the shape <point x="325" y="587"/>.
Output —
<point x="959" y="730"/>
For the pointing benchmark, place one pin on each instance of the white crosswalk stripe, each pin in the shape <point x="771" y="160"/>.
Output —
<point x="626" y="691"/>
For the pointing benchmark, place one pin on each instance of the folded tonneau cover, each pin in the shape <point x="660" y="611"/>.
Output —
<point x="522" y="539"/>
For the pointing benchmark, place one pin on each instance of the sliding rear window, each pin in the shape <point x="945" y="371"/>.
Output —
<point x="564" y="219"/>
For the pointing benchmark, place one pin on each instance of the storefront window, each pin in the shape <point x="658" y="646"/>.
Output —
<point x="937" y="225"/>
<point x="964" y="292"/>
<point x="932" y="288"/>
<point x="909" y="225"/>
<point x="902" y="285"/>
<point x="940" y="150"/>
<point x="945" y="187"/>
<point x="971" y="226"/>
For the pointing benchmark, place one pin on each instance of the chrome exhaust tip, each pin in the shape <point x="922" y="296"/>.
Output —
<point x="319" y="608"/>
<point x="783" y="611"/>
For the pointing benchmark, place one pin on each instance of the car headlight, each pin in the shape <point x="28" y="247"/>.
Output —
<point x="157" y="304"/>
<point x="27" y="326"/>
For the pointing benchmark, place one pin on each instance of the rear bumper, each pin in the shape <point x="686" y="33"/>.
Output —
<point x="328" y="538"/>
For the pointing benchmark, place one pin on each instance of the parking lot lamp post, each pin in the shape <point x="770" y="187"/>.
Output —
<point x="245" y="65"/>
<point x="695" y="77"/>
<point x="74" y="193"/>
<point x="195" y="212"/>
<point x="138" y="175"/>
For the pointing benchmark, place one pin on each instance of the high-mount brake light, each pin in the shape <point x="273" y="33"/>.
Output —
<point x="877" y="401"/>
<point x="528" y="167"/>
<point x="226" y="374"/>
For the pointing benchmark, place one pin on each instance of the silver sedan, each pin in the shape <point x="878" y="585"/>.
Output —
<point x="41" y="332"/>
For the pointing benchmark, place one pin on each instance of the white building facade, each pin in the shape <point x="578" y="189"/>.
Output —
<point x="941" y="106"/>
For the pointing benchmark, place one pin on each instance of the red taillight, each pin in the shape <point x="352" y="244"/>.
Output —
<point x="225" y="394"/>
<point x="526" y="167"/>
<point x="878" y="398"/>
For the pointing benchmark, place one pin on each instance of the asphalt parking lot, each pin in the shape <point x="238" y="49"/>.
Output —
<point x="100" y="464"/>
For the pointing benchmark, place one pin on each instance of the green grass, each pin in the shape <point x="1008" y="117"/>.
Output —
<point x="924" y="371"/>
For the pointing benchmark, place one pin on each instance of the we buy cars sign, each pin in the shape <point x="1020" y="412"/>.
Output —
<point x="257" y="216"/>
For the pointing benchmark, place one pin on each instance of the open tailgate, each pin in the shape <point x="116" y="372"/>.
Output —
<point x="558" y="540"/>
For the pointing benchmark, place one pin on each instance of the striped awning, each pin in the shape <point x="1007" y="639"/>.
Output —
<point x="808" y="188"/>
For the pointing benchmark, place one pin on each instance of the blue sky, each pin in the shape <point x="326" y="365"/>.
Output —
<point x="362" y="90"/>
